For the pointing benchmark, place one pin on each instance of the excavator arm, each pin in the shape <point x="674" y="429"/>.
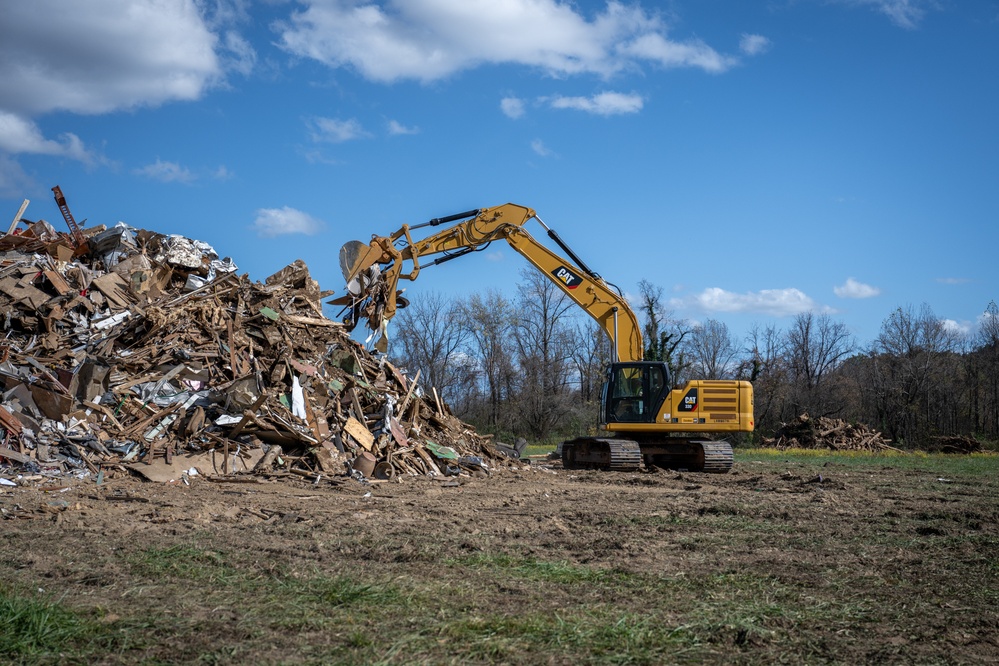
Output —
<point x="400" y="257"/>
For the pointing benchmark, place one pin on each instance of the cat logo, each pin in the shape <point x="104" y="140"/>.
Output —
<point x="567" y="277"/>
<point x="689" y="403"/>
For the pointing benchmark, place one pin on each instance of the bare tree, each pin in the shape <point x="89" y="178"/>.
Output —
<point x="988" y="326"/>
<point x="768" y="369"/>
<point x="432" y="335"/>
<point x="492" y="320"/>
<point x="543" y="336"/>
<point x="663" y="334"/>
<point x="912" y="373"/>
<point x="816" y="345"/>
<point x="590" y="356"/>
<point x="712" y="349"/>
<point x="983" y="365"/>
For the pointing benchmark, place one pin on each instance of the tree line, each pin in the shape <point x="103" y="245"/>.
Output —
<point x="532" y="364"/>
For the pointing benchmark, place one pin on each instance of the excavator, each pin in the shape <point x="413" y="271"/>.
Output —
<point x="650" y="422"/>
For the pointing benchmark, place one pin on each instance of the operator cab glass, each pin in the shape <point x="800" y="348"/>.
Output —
<point x="634" y="392"/>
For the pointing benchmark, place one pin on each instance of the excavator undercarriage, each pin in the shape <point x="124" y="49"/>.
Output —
<point x="619" y="454"/>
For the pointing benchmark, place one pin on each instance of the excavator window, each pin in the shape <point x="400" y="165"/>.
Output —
<point x="635" y="392"/>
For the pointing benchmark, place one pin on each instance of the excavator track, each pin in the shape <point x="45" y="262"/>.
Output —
<point x="625" y="455"/>
<point x="619" y="455"/>
<point x="718" y="457"/>
<point x="691" y="455"/>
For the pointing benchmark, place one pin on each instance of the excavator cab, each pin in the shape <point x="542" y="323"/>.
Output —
<point x="634" y="392"/>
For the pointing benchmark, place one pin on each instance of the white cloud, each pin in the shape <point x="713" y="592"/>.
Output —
<point x="776" y="302"/>
<point x="395" y="128"/>
<point x="753" y="44"/>
<point x="333" y="130"/>
<point x="853" y="289"/>
<point x="428" y="40"/>
<point x="512" y="107"/>
<point x="166" y="172"/>
<point x="604" y="104"/>
<point x="272" y="222"/>
<point x="102" y="55"/>
<point x="903" y="13"/>
<point x="318" y="157"/>
<point x="539" y="147"/>
<point x="238" y="55"/>
<point x="953" y="280"/>
<point x="225" y="12"/>
<point x="18" y="135"/>
<point x="222" y="173"/>
<point x="952" y="326"/>
<point x="695" y="53"/>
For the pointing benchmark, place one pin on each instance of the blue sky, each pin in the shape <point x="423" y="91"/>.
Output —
<point x="755" y="159"/>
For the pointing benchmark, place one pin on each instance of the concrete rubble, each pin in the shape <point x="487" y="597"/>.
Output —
<point x="127" y="351"/>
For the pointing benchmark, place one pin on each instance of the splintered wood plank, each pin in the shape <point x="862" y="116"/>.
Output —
<point x="232" y="348"/>
<point x="58" y="282"/>
<point x="359" y="432"/>
<point x="11" y="454"/>
<point x="358" y="410"/>
<point x="409" y="393"/>
<point x="398" y="433"/>
<point x="114" y="288"/>
<point x="420" y="451"/>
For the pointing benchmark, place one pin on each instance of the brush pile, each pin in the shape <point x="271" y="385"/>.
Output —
<point x="806" y="432"/>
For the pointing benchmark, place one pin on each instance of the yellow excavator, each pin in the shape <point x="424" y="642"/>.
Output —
<point x="650" y="421"/>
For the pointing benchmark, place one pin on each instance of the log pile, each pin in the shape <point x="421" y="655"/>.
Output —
<point x="135" y="351"/>
<point x="806" y="432"/>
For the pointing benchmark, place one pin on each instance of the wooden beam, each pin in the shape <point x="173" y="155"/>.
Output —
<point x="17" y="218"/>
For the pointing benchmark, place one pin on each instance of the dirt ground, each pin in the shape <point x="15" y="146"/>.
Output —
<point x="793" y="561"/>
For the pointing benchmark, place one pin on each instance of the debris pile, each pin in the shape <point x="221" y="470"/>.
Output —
<point x="125" y="349"/>
<point x="962" y="444"/>
<point x="806" y="432"/>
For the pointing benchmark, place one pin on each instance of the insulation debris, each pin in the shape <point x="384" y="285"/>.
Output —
<point x="130" y="351"/>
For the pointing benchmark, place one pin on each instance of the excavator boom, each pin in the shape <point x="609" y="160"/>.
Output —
<point x="479" y="228"/>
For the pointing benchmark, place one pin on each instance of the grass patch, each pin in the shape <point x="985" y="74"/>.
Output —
<point x="345" y="591"/>
<point x="976" y="464"/>
<point x="604" y="637"/>
<point x="323" y="602"/>
<point x="538" y="450"/>
<point x="684" y="620"/>
<point x="185" y="561"/>
<point x="34" y="627"/>
<point x="587" y="615"/>
<point x="558" y="572"/>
